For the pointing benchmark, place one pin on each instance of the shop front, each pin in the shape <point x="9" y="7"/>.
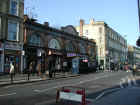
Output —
<point x="12" y="54"/>
<point x="35" y="55"/>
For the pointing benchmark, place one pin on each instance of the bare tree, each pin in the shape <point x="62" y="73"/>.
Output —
<point x="30" y="9"/>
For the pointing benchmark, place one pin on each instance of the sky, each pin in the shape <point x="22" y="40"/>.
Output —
<point x="121" y="15"/>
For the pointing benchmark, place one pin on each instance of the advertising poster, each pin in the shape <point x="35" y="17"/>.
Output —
<point x="75" y="65"/>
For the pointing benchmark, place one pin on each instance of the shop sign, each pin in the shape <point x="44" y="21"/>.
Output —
<point x="71" y="54"/>
<point x="57" y="53"/>
<point x="13" y="46"/>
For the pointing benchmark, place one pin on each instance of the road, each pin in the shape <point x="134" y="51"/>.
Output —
<point x="44" y="92"/>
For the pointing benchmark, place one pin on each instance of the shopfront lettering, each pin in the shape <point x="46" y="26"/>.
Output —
<point x="12" y="46"/>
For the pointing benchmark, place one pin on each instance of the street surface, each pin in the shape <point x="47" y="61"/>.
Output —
<point x="125" y="96"/>
<point x="44" y="92"/>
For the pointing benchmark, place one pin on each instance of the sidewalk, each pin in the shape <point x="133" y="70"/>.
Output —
<point x="22" y="78"/>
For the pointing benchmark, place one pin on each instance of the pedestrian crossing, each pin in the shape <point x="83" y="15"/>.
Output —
<point x="128" y="81"/>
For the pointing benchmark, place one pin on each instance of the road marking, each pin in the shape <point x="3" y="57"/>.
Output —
<point x="121" y="84"/>
<point x="129" y="82"/>
<point x="105" y="92"/>
<point x="134" y="81"/>
<point x="8" y="86"/>
<point x="46" y="102"/>
<point x="81" y="82"/>
<point x="7" y="94"/>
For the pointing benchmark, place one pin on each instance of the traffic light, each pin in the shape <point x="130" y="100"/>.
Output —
<point x="138" y="42"/>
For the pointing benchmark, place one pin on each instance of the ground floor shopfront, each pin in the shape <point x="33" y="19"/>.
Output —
<point x="10" y="53"/>
<point x="63" y="61"/>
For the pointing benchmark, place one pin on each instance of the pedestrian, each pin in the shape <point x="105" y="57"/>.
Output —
<point x="50" y="68"/>
<point x="11" y="71"/>
<point x="65" y="66"/>
<point x="30" y="69"/>
<point x="134" y="70"/>
<point x="39" y="69"/>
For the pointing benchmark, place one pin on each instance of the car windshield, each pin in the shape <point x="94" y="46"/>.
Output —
<point x="69" y="52"/>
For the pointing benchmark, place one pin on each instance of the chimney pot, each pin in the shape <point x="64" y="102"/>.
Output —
<point x="46" y="24"/>
<point x="81" y="27"/>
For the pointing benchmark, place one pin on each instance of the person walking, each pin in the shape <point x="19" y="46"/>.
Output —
<point x="39" y="68"/>
<point x="50" y="68"/>
<point x="30" y="70"/>
<point x="134" y="70"/>
<point x="11" y="72"/>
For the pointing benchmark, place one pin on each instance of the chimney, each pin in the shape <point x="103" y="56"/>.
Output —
<point x="46" y="24"/>
<point x="26" y="18"/>
<point x="81" y="27"/>
<point x="92" y="21"/>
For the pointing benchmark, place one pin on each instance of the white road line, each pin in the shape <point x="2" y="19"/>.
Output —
<point x="121" y="84"/>
<point x="134" y="81"/>
<point x="105" y="92"/>
<point x="8" y="86"/>
<point x="46" y="102"/>
<point x="129" y="82"/>
<point x="81" y="82"/>
<point x="7" y="94"/>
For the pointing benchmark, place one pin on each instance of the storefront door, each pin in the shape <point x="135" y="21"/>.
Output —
<point x="15" y="60"/>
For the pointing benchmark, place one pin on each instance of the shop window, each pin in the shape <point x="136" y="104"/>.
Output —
<point x="13" y="31"/>
<point x="70" y="47"/>
<point x="14" y="7"/>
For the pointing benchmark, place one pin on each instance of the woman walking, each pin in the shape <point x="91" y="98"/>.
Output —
<point x="11" y="71"/>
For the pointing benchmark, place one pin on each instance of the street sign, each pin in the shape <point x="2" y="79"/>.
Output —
<point x="71" y="96"/>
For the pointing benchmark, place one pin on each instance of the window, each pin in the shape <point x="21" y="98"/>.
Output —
<point x="13" y="31"/>
<point x="100" y="30"/>
<point x="14" y="7"/>
<point x="86" y="32"/>
<point x="70" y="47"/>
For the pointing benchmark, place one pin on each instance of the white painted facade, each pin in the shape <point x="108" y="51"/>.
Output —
<point x="111" y="46"/>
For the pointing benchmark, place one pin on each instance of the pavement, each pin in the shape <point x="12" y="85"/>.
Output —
<point x="23" y="78"/>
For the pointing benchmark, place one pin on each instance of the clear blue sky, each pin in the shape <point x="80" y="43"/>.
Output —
<point x="121" y="15"/>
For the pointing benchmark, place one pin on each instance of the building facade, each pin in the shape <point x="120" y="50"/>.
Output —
<point x="133" y="55"/>
<point x="43" y="43"/>
<point x="111" y="46"/>
<point x="11" y="34"/>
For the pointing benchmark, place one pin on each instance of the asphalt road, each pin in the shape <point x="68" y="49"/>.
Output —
<point x="44" y="92"/>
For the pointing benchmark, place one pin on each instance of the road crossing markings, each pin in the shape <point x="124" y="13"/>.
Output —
<point x="128" y="81"/>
